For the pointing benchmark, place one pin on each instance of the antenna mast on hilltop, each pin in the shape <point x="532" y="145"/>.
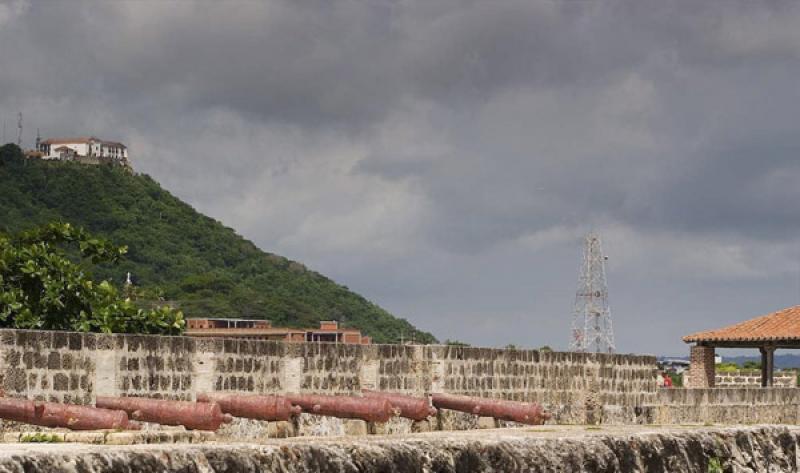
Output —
<point x="591" y="323"/>
<point x="19" y="130"/>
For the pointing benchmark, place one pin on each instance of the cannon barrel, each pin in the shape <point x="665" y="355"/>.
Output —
<point x="369" y="409"/>
<point x="19" y="410"/>
<point x="70" y="416"/>
<point x="522" y="412"/>
<point x="253" y="407"/>
<point x="192" y="415"/>
<point x="415" y="408"/>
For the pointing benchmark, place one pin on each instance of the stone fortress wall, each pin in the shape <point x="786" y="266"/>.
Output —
<point x="725" y="405"/>
<point x="76" y="367"/>
<point x="577" y="388"/>
<point x="748" y="378"/>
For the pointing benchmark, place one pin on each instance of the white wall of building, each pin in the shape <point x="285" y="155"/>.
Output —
<point x="90" y="148"/>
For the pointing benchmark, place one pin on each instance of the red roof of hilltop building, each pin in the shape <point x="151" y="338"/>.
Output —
<point x="783" y="325"/>
<point x="328" y="331"/>
<point x="58" y="141"/>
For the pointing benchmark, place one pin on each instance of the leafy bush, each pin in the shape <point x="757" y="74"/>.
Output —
<point x="714" y="465"/>
<point x="727" y="367"/>
<point x="40" y="437"/>
<point x="751" y="365"/>
<point x="42" y="288"/>
<point x="677" y="379"/>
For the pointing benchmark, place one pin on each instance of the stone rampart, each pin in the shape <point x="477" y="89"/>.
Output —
<point x="744" y="405"/>
<point x="741" y="449"/>
<point x="742" y="378"/>
<point x="76" y="367"/>
<point x="576" y="388"/>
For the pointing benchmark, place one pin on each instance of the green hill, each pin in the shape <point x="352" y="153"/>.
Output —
<point x="191" y="260"/>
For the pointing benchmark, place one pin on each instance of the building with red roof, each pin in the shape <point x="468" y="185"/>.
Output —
<point x="86" y="149"/>
<point x="768" y="332"/>
<point x="328" y="331"/>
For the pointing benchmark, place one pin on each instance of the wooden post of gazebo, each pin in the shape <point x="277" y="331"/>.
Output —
<point x="767" y="365"/>
<point x="767" y="333"/>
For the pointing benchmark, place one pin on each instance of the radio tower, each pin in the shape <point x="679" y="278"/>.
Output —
<point x="591" y="323"/>
<point x="19" y="130"/>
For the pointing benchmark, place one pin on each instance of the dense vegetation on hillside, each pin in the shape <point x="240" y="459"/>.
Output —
<point x="178" y="254"/>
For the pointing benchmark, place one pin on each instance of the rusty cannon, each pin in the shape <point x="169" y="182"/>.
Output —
<point x="253" y="407"/>
<point x="370" y="409"/>
<point x="70" y="416"/>
<point x="192" y="415"/>
<point x="522" y="412"/>
<point x="410" y="407"/>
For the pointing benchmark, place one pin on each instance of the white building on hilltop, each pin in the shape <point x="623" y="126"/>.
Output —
<point x="87" y="149"/>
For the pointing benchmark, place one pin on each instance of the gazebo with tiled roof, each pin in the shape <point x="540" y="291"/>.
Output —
<point x="769" y="332"/>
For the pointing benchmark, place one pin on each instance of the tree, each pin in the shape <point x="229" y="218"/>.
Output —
<point x="727" y="367"/>
<point x="43" y="286"/>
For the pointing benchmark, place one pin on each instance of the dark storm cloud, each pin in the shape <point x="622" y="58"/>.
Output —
<point x="458" y="148"/>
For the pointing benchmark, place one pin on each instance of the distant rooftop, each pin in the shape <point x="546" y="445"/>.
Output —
<point x="328" y="331"/>
<point x="80" y="139"/>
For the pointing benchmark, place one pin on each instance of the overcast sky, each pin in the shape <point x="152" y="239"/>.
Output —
<point x="444" y="158"/>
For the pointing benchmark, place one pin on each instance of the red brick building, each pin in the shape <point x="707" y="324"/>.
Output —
<point x="328" y="331"/>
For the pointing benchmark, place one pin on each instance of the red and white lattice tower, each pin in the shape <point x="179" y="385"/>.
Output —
<point x="591" y="323"/>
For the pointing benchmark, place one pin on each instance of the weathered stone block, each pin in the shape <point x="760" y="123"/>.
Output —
<point x="54" y="360"/>
<point x="75" y="341"/>
<point x="60" y="382"/>
<point x="280" y="429"/>
<point x="355" y="427"/>
<point x="67" y="361"/>
<point x="487" y="423"/>
<point x="422" y="426"/>
<point x="121" y="438"/>
<point x="85" y="437"/>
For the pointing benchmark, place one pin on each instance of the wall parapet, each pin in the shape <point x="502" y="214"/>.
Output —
<point x="742" y="378"/>
<point x="724" y="405"/>
<point x="76" y="367"/>
<point x="575" y="387"/>
<point x="728" y="396"/>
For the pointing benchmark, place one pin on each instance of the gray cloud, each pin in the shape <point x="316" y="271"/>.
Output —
<point x="443" y="158"/>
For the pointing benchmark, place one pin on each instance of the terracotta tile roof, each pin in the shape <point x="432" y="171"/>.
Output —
<point x="781" y="325"/>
